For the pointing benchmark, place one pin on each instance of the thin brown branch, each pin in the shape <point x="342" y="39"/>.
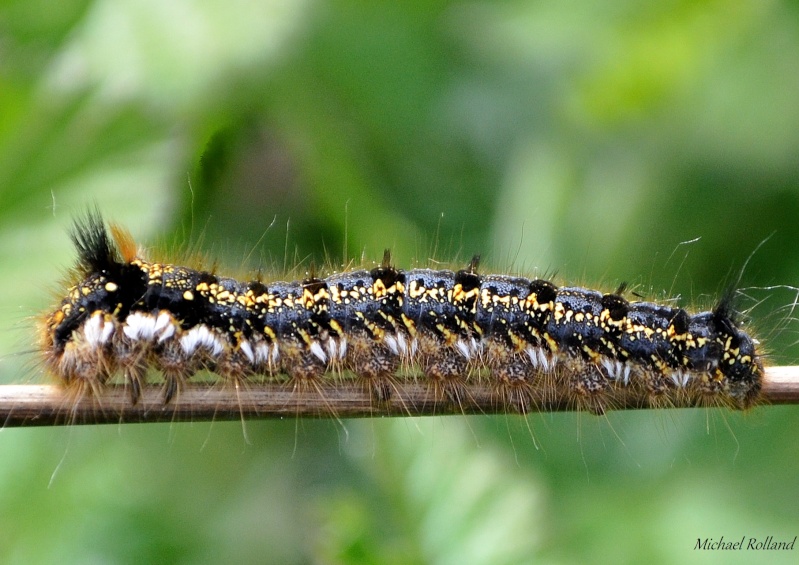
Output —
<point x="48" y="405"/>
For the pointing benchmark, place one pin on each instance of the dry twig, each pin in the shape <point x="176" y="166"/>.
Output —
<point x="48" y="405"/>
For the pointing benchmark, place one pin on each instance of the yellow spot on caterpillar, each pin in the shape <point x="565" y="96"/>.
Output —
<point x="409" y="324"/>
<point x="416" y="290"/>
<point x="336" y="327"/>
<point x="379" y="289"/>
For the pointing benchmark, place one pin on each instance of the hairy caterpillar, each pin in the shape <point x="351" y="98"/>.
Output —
<point x="529" y="339"/>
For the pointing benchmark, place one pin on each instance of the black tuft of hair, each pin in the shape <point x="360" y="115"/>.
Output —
<point x="96" y="252"/>
<point x="725" y="314"/>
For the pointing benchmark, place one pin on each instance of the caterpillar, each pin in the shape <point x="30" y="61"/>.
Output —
<point x="158" y="324"/>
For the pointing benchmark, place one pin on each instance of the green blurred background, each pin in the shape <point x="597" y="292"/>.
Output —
<point x="587" y="139"/>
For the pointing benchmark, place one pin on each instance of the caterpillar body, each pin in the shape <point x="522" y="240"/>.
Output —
<point x="531" y="339"/>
